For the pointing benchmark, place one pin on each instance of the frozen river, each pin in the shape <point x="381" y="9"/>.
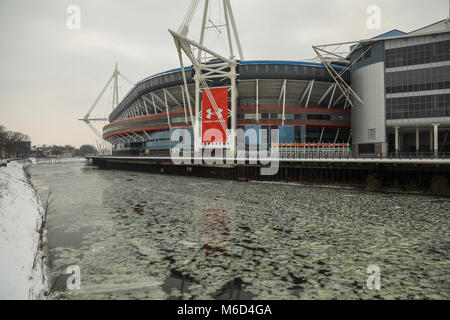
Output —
<point x="143" y="236"/>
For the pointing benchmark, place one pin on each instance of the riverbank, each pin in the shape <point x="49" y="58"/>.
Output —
<point x="22" y="272"/>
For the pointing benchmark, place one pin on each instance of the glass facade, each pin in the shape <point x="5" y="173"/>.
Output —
<point x="405" y="84"/>
<point x="418" y="80"/>
<point x="418" y="107"/>
<point x="408" y="93"/>
<point x="418" y="54"/>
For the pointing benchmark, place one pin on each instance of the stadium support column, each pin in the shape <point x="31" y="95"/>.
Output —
<point x="436" y="140"/>
<point x="233" y="109"/>
<point x="397" y="143"/>
<point x="417" y="140"/>
<point x="431" y="140"/>
<point x="115" y="100"/>
<point x="196" y="124"/>
<point x="257" y="100"/>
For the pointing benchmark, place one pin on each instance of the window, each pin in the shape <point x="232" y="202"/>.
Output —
<point x="368" y="54"/>
<point x="418" y="80"/>
<point x="418" y="107"/>
<point x="419" y="54"/>
<point x="318" y="117"/>
<point x="366" y="148"/>
<point x="372" y="134"/>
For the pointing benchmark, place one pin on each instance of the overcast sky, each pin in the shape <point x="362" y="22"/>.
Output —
<point x="50" y="75"/>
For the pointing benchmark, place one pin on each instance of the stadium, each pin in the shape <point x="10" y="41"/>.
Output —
<point x="387" y="96"/>
<point x="298" y="98"/>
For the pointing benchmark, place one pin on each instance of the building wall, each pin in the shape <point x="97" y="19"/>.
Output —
<point x="418" y="89"/>
<point x="405" y="83"/>
<point x="368" y="118"/>
<point x="418" y="79"/>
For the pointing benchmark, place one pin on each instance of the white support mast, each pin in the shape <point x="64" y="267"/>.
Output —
<point x="448" y="19"/>
<point x="336" y="53"/>
<point x="225" y="68"/>
<point x="115" y="101"/>
<point x="326" y="57"/>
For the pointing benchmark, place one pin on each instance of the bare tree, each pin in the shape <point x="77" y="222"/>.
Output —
<point x="3" y="135"/>
<point x="14" y="143"/>
<point x="85" y="150"/>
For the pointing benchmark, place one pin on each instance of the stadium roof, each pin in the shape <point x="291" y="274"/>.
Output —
<point x="249" y="62"/>
<point x="252" y="62"/>
<point x="392" y="33"/>
<point x="434" y="28"/>
<point x="443" y="25"/>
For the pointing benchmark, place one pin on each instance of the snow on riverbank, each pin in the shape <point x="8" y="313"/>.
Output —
<point x="20" y="219"/>
<point x="53" y="161"/>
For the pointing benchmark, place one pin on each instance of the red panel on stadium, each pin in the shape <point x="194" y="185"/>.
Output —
<point x="212" y="129"/>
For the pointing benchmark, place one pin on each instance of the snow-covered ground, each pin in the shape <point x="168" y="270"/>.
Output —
<point x="20" y="219"/>
<point x="57" y="160"/>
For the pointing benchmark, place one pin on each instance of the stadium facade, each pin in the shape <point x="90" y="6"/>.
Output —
<point x="298" y="98"/>
<point x="403" y="80"/>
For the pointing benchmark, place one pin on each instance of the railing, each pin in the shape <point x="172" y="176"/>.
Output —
<point x="304" y="151"/>
<point x="313" y="151"/>
<point x="308" y="152"/>
<point x="419" y="155"/>
<point x="286" y="153"/>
